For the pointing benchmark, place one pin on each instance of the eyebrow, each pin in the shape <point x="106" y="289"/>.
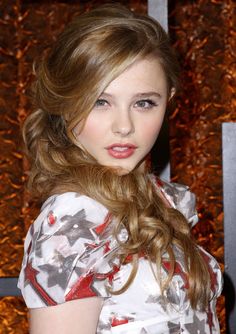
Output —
<point x="138" y="95"/>
<point x="146" y="94"/>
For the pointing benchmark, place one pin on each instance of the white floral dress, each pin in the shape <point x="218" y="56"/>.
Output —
<point x="69" y="254"/>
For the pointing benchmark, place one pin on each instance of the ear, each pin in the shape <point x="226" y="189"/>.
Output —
<point x="172" y="93"/>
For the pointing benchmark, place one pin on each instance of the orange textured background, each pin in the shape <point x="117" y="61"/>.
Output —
<point x="204" y="37"/>
<point x="203" y="33"/>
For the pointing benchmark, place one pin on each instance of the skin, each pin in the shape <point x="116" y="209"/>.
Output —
<point x="130" y="111"/>
<point x="73" y="317"/>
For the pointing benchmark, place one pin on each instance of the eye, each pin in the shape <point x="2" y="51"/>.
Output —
<point x="145" y="104"/>
<point x="100" y="103"/>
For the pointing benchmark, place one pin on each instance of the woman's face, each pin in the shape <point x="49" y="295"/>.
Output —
<point x="126" y="119"/>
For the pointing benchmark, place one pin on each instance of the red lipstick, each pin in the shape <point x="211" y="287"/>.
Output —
<point x="121" y="151"/>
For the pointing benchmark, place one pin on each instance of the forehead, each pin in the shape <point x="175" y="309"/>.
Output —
<point x="143" y="74"/>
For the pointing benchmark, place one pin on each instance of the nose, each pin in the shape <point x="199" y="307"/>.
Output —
<point x="123" y="124"/>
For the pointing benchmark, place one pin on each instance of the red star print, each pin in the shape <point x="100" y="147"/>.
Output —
<point x="213" y="278"/>
<point x="106" y="247"/>
<point x="128" y="259"/>
<point x="82" y="288"/>
<point x="178" y="271"/>
<point x="30" y="276"/>
<point x="91" y="246"/>
<point x="109" y="275"/>
<point x="158" y="182"/>
<point x="51" y="218"/>
<point x="102" y="227"/>
<point x="29" y="248"/>
<point x="94" y="246"/>
<point x="213" y="275"/>
<point x="30" y="273"/>
<point x="118" y="322"/>
<point x="210" y="319"/>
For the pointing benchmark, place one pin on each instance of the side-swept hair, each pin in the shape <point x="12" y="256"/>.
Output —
<point x="93" y="50"/>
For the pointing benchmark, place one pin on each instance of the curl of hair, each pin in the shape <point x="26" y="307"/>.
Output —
<point x="93" y="50"/>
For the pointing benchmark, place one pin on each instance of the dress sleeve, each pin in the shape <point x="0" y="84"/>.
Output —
<point x="67" y="252"/>
<point x="180" y="197"/>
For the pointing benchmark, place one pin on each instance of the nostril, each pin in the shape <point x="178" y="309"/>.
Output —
<point x="123" y="126"/>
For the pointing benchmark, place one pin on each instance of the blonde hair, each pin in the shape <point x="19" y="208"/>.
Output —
<point x="93" y="50"/>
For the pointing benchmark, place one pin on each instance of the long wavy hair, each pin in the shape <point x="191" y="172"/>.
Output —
<point x="93" y="50"/>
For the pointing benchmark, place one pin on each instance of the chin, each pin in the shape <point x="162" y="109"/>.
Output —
<point x="124" y="168"/>
<point x="121" y="170"/>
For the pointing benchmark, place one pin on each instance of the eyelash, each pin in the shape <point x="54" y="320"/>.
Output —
<point x="151" y="103"/>
<point x="101" y="103"/>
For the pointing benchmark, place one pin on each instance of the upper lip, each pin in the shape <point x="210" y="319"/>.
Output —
<point x="121" y="145"/>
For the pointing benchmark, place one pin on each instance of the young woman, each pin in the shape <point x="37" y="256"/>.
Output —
<point x="111" y="250"/>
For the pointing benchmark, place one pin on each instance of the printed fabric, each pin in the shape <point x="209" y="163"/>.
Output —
<point x="69" y="254"/>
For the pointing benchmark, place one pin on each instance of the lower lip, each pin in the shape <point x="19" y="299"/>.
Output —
<point x="121" y="154"/>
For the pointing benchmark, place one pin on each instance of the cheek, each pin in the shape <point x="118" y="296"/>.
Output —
<point x="91" y="129"/>
<point x="151" y="131"/>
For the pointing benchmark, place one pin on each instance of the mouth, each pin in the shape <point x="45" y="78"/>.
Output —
<point x="121" y="151"/>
